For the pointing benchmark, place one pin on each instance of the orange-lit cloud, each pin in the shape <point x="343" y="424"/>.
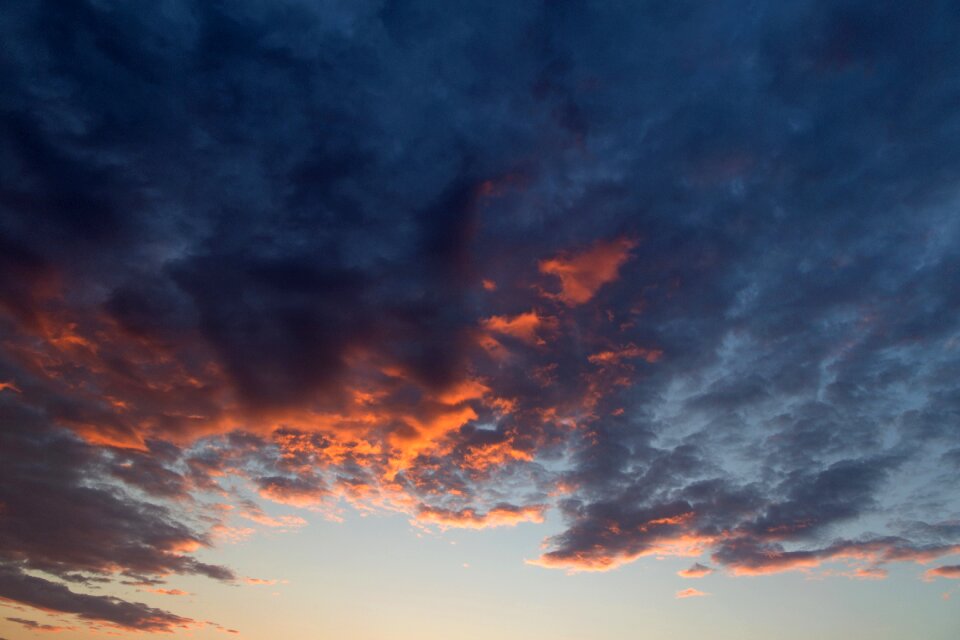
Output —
<point x="947" y="571"/>
<point x="869" y="573"/>
<point x="776" y="563"/>
<point x="662" y="531"/>
<point x="629" y="351"/>
<point x="601" y="558"/>
<point x="385" y="436"/>
<point x="582" y="274"/>
<point x="293" y="492"/>
<point x="463" y="391"/>
<point x="524" y="327"/>
<point x="584" y="562"/>
<point x="690" y="593"/>
<point x="696" y="571"/>
<point x="221" y="532"/>
<point x="464" y="329"/>
<point x="221" y="628"/>
<point x="484" y="456"/>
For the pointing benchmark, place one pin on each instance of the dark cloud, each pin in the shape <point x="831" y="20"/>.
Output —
<point x="62" y="517"/>
<point x="747" y="556"/>
<point x="51" y="596"/>
<point x="841" y="492"/>
<point x="36" y="626"/>
<point x="50" y="472"/>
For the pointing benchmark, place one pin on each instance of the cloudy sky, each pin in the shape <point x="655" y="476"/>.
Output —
<point x="518" y="320"/>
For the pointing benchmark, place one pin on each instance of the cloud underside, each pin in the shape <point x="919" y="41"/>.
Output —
<point x="698" y="298"/>
<point x="49" y="596"/>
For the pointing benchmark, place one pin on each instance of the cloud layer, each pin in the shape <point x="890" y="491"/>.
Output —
<point x="686" y="274"/>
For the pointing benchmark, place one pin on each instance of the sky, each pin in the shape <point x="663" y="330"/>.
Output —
<point x="519" y="320"/>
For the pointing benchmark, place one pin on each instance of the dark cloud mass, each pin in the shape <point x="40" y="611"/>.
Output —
<point x="686" y="273"/>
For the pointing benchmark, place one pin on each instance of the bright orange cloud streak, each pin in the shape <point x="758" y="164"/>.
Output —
<point x="623" y="353"/>
<point x="523" y="327"/>
<point x="481" y="458"/>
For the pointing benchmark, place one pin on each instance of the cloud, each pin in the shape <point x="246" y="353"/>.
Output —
<point x="690" y="593"/>
<point x="869" y="573"/>
<point x="582" y="273"/>
<point x="696" y="570"/>
<point x="50" y="596"/>
<point x="299" y="491"/>
<point x="696" y="297"/>
<point x="628" y="352"/>
<point x="499" y="516"/>
<point x="746" y="557"/>
<point x="102" y="533"/>
<point x="34" y="626"/>
<point x="946" y="571"/>
<point x="259" y="581"/>
<point x="524" y="327"/>
<point x="106" y="529"/>
<point x="251" y="511"/>
<point x="605" y="536"/>
<point x="170" y="592"/>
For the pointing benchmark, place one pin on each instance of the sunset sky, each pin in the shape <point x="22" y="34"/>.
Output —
<point x="401" y="320"/>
